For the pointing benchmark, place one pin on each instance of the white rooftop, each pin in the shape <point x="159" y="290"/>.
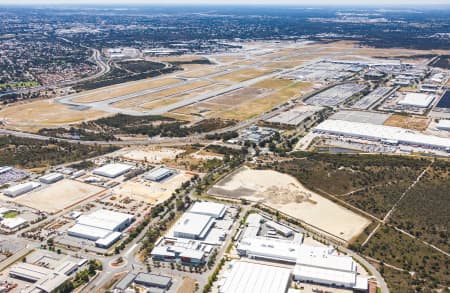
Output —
<point x="417" y="100"/>
<point x="443" y="124"/>
<point x="267" y="248"/>
<point x="89" y="231"/>
<point x="104" y="219"/>
<point x="13" y="223"/>
<point x="193" y="224"/>
<point x="112" y="170"/>
<point x="245" y="277"/>
<point x="381" y="132"/>
<point x="213" y="209"/>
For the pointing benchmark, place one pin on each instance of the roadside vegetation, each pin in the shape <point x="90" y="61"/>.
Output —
<point x="32" y="153"/>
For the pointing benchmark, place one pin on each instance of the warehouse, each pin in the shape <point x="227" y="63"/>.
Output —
<point x="29" y="272"/>
<point x="279" y="250"/>
<point x="443" y="125"/>
<point x="382" y="133"/>
<point x="416" y="100"/>
<point x="193" y="226"/>
<point x="112" y="170"/>
<point x="207" y="208"/>
<point x="51" y="178"/>
<point x="324" y="267"/>
<point x="101" y="226"/>
<point x="153" y="281"/>
<point x="245" y="277"/>
<point x="158" y="174"/>
<point x="20" y="189"/>
<point x="13" y="224"/>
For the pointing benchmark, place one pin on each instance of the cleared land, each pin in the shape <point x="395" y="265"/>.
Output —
<point x="409" y="122"/>
<point x="44" y="113"/>
<point x="58" y="196"/>
<point x="286" y="194"/>
<point x="150" y="155"/>
<point x="124" y="89"/>
<point x="152" y="192"/>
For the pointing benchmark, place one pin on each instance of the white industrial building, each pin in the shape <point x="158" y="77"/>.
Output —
<point x="51" y="178"/>
<point x="193" y="226"/>
<point x="208" y="208"/>
<point x="158" y="174"/>
<point x="280" y="250"/>
<point x="112" y="170"/>
<point x="382" y="133"/>
<point x="443" y="125"/>
<point x="13" y="224"/>
<point x="322" y="266"/>
<point x="101" y="226"/>
<point x="246" y="277"/>
<point x="20" y="189"/>
<point x="417" y="100"/>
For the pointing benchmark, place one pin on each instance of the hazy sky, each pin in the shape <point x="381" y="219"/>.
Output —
<point x="233" y="2"/>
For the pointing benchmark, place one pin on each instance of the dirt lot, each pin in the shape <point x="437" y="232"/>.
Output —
<point x="151" y="192"/>
<point x="286" y="194"/>
<point x="57" y="196"/>
<point x="150" y="155"/>
<point x="188" y="286"/>
<point x="44" y="113"/>
<point x="409" y="122"/>
<point x="124" y="89"/>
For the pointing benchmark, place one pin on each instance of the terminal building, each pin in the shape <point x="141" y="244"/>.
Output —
<point x="112" y="170"/>
<point x="102" y="226"/>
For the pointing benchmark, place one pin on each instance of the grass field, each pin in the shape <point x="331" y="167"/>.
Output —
<point x="124" y="89"/>
<point x="409" y="122"/>
<point x="44" y="113"/>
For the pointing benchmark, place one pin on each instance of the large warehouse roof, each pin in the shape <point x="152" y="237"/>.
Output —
<point x="381" y="132"/>
<point x="274" y="249"/>
<point x="417" y="100"/>
<point x="112" y="170"/>
<point x="158" y="174"/>
<point x="247" y="277"/>
<point x="104" y="219"/>
<point x="193" y="224"/>
<point x="215" y="210"/>
<point x="88" y="232"/>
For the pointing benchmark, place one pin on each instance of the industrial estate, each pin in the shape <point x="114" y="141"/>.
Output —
<point x="250" y="163"/>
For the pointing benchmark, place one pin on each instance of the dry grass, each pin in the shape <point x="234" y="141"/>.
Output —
<point x="160" y="94"/>
<point x="244" y="74"/>
<point x="188" y="286"/>
<point x="44" y="113"/>
<point x="409" y="122"/>
<point x="238" y="96"/>
<point x="274" y="83"/>
<point x="123" y="89"/>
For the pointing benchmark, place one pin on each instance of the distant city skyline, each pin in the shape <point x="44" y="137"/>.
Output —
<point x="230" y="2"/>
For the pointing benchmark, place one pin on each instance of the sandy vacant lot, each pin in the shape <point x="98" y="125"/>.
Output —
<point x="415" y="123"/>
<point x="44" y="113"/>
<point x="286" y="194"/>
<point x="151" y="155"/>
<point x="151" y="192"/>
<point x="58" y="196"/>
